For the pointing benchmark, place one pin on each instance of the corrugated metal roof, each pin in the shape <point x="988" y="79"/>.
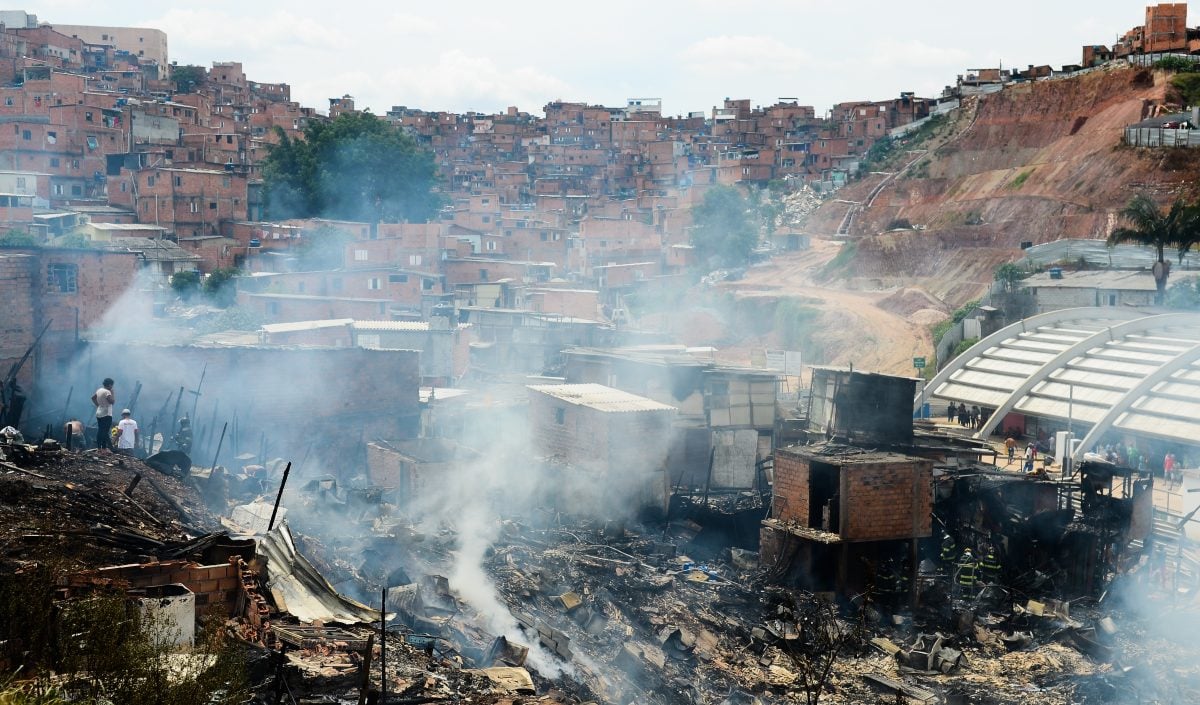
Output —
<point x="1097" y="253"/>
<point x="297" y="326"/>
<point x="392" y="325"/>
<point x="599" y="397"/>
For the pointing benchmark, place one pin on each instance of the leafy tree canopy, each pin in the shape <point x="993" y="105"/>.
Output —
<point x="187" y="78"/>
<point x="220" y="287"/>
<point x="1188" y="85"/>
<point x="723" y="230"/>
<point x="1176" y="63"/>
<point x="15" y="238"/>
<point x="356" y="167"/>
<point x="185" y="283"/>
<point x="1179" y="227"/>
<point x="1009" y="274"/>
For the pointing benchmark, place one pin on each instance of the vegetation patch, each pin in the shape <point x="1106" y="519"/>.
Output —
<point x="939" y="329"/>
<point x="841" y="260"/>
<point x="724" y="231"/>
<point x="963" y="346"/>
<point x="794" y="324"/>
<point x="1019" y="181"/>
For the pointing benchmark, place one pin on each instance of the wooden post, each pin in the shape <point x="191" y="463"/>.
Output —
<point x="218" y="453"/>
<point x="137" y="392"/>
<point x="67" y="408"/>
<point x="175" y="414"/>
<point x="282" y="483"/>
<point x="211" y="424"/>
<point x="366" y="678"/>
<point x="196" y="400"/>
<point x="383" y="646"/>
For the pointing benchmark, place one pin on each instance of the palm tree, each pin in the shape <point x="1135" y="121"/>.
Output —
<point x="1149" y="226"/>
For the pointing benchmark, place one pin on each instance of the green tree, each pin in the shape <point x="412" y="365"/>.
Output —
<point x="187" y="78"/>
<point x="185" y="284"/>
<point x="357" y="167"/>
<point x="1149" y="226"/>
<point x="1009" y="274"/>
<point x="220" y="288"/>
<point x="323" y="248"/>
<point x="75" y="241"/>
<point x="723" y="230"/>
<point x="1175" y="63"/>
<point x="1188" y="85"/>
<point x="1184" y="294"/>
<point x="14" y="238"/>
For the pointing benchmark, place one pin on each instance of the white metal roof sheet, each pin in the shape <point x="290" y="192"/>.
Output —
<point x="599" y="397"/>
<point x="392" y="325"/>
<point x="1053" y="408"/>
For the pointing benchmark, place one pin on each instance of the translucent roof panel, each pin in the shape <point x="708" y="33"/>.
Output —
<point x="1134" y="371"/>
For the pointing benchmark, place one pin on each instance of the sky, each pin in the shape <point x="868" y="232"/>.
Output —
<point x="485" y="56"/>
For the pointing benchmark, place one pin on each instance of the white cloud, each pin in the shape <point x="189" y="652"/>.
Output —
<point x="916" y="54"/>
<point x="402" y="24"/>
<point x="743" y="54"/>
<point x="454" y="81"/>
<point x="280" y="30"/>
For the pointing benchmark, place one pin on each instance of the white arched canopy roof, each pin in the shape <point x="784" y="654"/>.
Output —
<point x="1105" y="369"/>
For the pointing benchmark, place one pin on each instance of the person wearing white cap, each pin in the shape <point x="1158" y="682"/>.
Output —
<point x="128" y="435"/>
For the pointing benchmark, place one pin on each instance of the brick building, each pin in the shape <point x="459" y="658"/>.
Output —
<point x="422" y="467"/>
<point x="598" y="436"/>
<point x="833" y="505"/>
<point x="148" y="45"/>
<point x="188" y="202"/>
<point x="71" y="291"/>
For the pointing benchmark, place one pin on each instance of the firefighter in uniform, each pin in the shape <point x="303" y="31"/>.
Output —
<point x="893" y="583"/>
<point x="949" y="549"/>
<point x="989" y="567"/>
<point x="966" y="573"/>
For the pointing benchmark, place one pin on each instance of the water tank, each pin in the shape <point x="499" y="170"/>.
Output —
<point x="1056" y="273"/>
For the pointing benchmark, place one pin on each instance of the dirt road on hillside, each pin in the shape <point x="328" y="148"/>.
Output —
<point x="853" y="328"/>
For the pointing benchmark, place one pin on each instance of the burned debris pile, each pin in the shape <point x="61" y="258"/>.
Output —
<point x="862" y="563"/>
<point x="93" y="509"/>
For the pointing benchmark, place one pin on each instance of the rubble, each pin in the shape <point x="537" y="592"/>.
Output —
<point x="77" y="503"/>
<point x="690" y="607"/>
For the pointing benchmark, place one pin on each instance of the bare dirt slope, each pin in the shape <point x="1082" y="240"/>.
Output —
<point x="853" y="327"/>
<point x="1037" y="162"/>
<point x="1033" y="163"/>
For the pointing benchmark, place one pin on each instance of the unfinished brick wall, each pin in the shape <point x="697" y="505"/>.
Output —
<point x="17" y="314"/>
<point x="70" y="305"/>
<point x="789" y="500"/>
<point x="626" y="452"/>
<point x="887" y="500"/>
<point x="580" y="439"/>
<point x="214" y="585"/>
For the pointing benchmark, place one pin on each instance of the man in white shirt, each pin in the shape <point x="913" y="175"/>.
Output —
<point x="103" y="399"/>
<point x="127" y="433"/>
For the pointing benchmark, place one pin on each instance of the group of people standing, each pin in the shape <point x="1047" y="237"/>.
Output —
<point x="1130" y="456"/>
<point x="126" y="434"/>
<point x="967" y="416"/>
